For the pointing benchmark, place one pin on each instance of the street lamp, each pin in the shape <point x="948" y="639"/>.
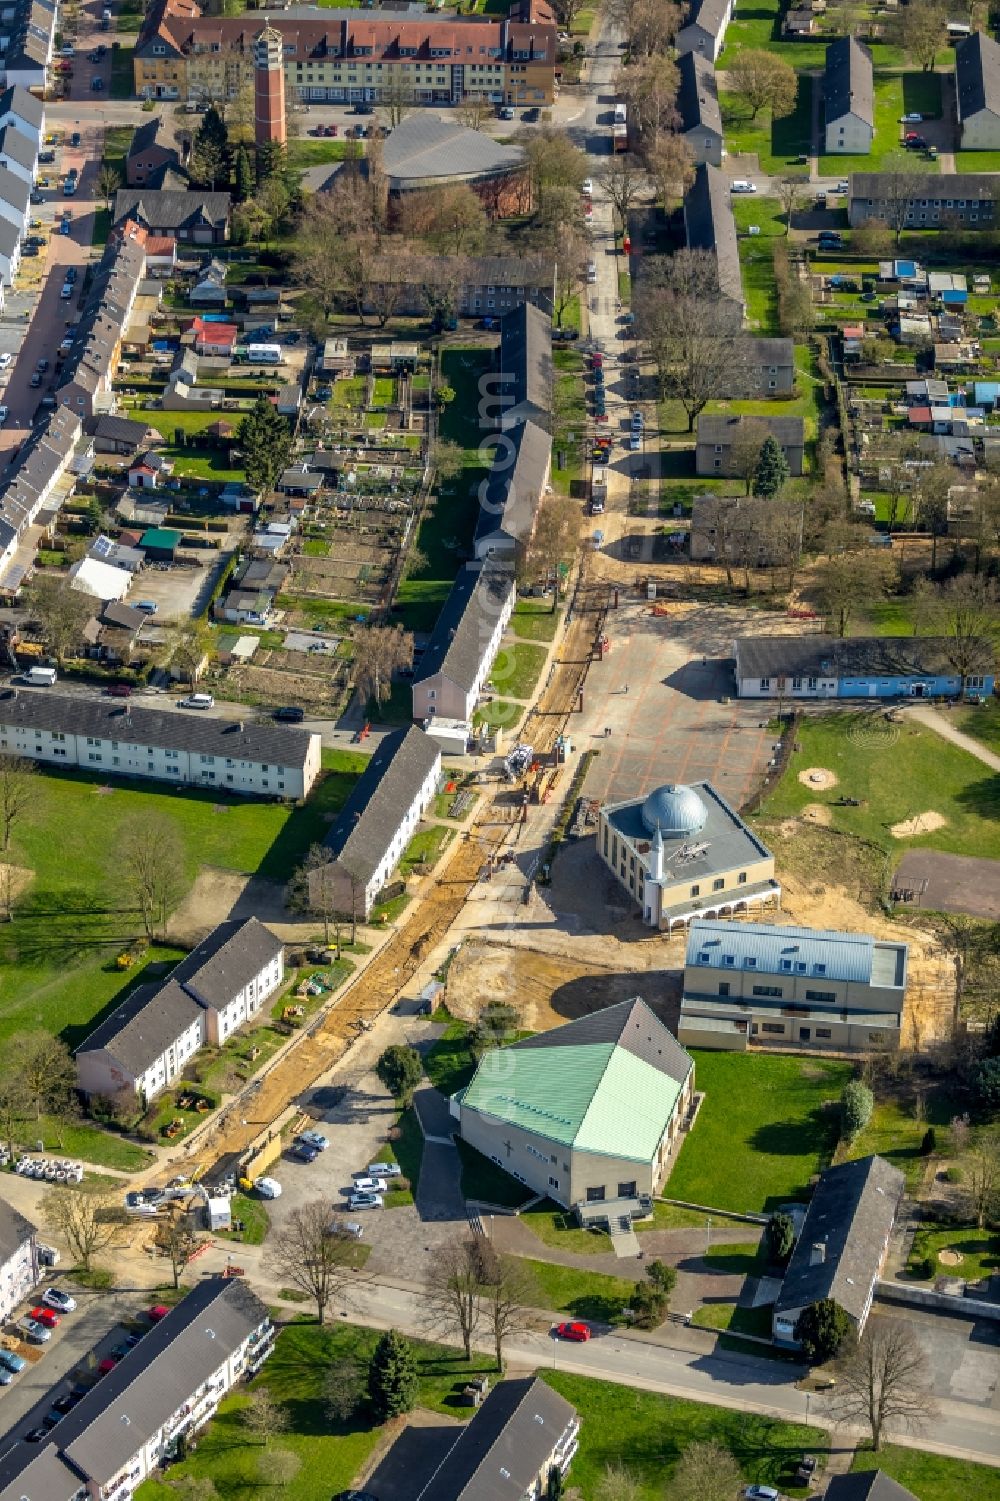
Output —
<point x="708" y="1236"/>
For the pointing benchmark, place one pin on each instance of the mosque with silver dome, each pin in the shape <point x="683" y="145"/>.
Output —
<point x="683" y="852"/>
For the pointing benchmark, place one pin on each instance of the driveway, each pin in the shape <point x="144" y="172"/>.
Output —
<point x="962" y="1353"/>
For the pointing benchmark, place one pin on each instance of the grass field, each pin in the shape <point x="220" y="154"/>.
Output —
<point x="535" y="620"/>
<point x="896" y="772"/>
<point x="445" y="534"/>
<point x="776" y="143"/>
<point x="558" y="1228"/>
<point x="647" y="1433"/>
<point x="449" y="1063"/>
<point x="931" y="1475"/>
<point x="895" y="95"/>
<point x="424" y="849"/>
<point x="895" y="1133"/>
<point x="765" y="1127"/>
<point x="977" y="161"/>
<point x="331" y="1453"/>
<point x="304" y="153"/>
<point x="578" y="1294"/>
<point x="76" y="915"/>
<point x="979" y="1250"/>
<point x="759" y="287"/>
<point x="515" y="671"/>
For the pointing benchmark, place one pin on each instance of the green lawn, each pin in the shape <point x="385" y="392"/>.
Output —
<point x="535" y="620"/>
<point x="764" y="212"/>
<point x="932" y="1477"/>
<point x="895" y="1133"/>
<point x="558" y="1228"/>
<point x="647" y="1433"/>
<point x="579" y="1294"/>
<point x="982" y="722"/>
<point x="762" y="1132"/>
<point x="805" y="404"/>
<point x="200" y="463"/>
<point x="444" y="537"/>
<point x="449" y="1063"/>
<point x="571" y="403"/>
<point x="895" y="95"/>
<point x="776" y="143"/>
<point x="424" y="849"/>
<point x="500" y="712"/>
<point x="76" y="916"/>
<point x="897" y="772"/>
<point x="122" y="77"/>
<point x="304" y="153"/>
<point x="252" y="1211"/>
<point x="408" y="1151"/>
<point x="331" y="1453"/>
<point x="977" y="161"/>
<point x="83" y="1140"/>
<point x="168" y="422"/>
<point x="759" y="287"/>
<point x="979" y="1250"/>
<point x="515" y="671"/>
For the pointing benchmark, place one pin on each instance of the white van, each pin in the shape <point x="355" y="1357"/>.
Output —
<point x="591" y="272"/>
<point x="196" y="701"/>
<point x="40" y="677"/>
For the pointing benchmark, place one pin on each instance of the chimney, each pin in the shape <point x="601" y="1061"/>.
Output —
<point x="817" y="1255"/>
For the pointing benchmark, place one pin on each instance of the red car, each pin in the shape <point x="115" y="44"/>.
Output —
<point x="45" y="1316"/>
<point x="578" y="1333"/>
<point x="157" y="1312"/>
<point x="106" y="1365"/>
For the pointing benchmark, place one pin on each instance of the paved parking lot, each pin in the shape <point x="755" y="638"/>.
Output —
<point x="96" y="1322"/>
<point x="963" y="1353"/>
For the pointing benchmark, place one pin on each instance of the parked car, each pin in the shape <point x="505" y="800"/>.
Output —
<point x="74" y="139"/>
<point x="35" y="1435"/>
<point x="268" y="1188"/>
<point x="365" y="1201"/>
<point x="385" y="1170"/>
<point x="65" y="227"/>
<point x="193" y="700"/>
<point x="315" y="1139"/>
<point x="761" y="1493"/>
<point x="46" y="1316"/>
<point x="14" y="1363"/>
<point x="576" y="1332"/>
<point x="119" y="690"/>
<point x="364" y="1183"/>
<point x="54" y="1297"/>
<point x="914" y="142"/>
<point x="506" y="113"/>
<point x="290" y="714"/>
<point x="587" y="188"/>
<point x="35" y="1331"/>
<point x="67" y="291"/>
<point x="157" y="1312"/>
<point x="35" y="381"/>
<point x="742" y="185"/>
<point x="913" y="118"/>
<point x="304" y="1151"/>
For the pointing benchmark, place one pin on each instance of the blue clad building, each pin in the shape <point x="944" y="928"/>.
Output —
<point x="862" y="667"/>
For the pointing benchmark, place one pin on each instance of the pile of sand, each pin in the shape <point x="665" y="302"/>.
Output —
<point x="818" y="777"/>
<point x="920" y="823"/>
<point x="817" y="813"/>
<point x="949" y="1258"/>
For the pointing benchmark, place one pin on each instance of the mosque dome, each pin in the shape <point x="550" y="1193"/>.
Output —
<point x="674" y="811"/>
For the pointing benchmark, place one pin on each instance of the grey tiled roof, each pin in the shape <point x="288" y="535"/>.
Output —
<point x="851" y="656"/>
<point x="14" y="190"/>
<point x="200" y="733"/>
<point x="850" y="1214"/>
<point x="121" y="430"/>
<point x="171" y="211"/>
<point x="710" y="15"/>
<point x="770" y="351"/>
<point x="142" y="1028"/>
<point x="849" y="87"/>
<point x="427" y="144"/>
<point x="9" y="238"/>
<point x="698" y="94"/>
<point x="35" y="1472"/>
<point x="709" y="225"/>
<point x="14" y="1231"/>
<point x="931" y="185"/>
<point x="501" y="1451"/>
<point x="20" y="102"/>
<point x="130" y="1404"/>
<point x="467" y="617"/>
<point x="19" y="147"/>
<point x="868" y="1485"/>
<point x="526" y="359"/>
<point x="516" y="483"/>
<point x="383" y="792"/>
<point x="789" y="431"/>
<point x="977" y="75"/>
<point x="231" y="956"/>
<point x="630" y="1025"/>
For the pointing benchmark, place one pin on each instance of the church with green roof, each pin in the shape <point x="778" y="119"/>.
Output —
<point x="588" y="1113"/>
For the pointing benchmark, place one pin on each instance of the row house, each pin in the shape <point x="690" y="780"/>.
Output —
<point x="90" y="365"/>
<point x="463" y="647"/>
<point x="344" y="56"/>
<point x="163" y="1390"/>
<point x="41" y="467"/>
<point x="268" y="760"/>
<point x="19" y="1269"/>
<point x="143" y="1047"/>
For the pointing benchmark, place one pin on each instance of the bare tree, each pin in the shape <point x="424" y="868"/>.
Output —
<point x="671" y="167"/>
<point x="617" y="1483"/>
<point x="763" y="80"/>
<point x="854" y="573"/>
<point x="344" y="1385"/>
<point x="623" y="181"/>
<point x="982" y="1172"/>
<point x="788" y="191"/>
<point x="706" y="1472"/>
<point x="278" y="1467"/>
<point x="882" y="1381"/>
<point x="14" y="1102"/>
<point x="90" y="1219"/>
<point x="263" y="1417"/>
<point x="970" y="623"/>
<point x="109" y="180"/>
<point x="18" y="790"/>
<point x="571" y="270"/>
<point x="453" y="1297"/>
<point x="313" y="889"/>
<point x="379" y="651"/>
<point x="475" y="110"/>
<point x="179" y="1239"/>
<point x="507" y="1292"/>
<point x="648" y="87"/>
<point x="315" y="1254"/>
<point x="899" y="184"/>
<point x="744" y="455"/>
<point x="649" y="25"/>
<point x="46" y="1069"/>
<point x="149" y="862"/>
<point x="62" y="613"/>
<point x="397" y="99"/>
<point x="695" y="335"/>
<point x="921" y="30"/>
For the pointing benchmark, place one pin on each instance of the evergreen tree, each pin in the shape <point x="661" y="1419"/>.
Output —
<point x="271" y="160"/>
<point x="244" y="176"/>
<point x="822" y="1328"/>
<point x="856" y="1105"/>
<point x="266" y="442"/>
<point x="772" y="469"/>
<point x="392" y="1377"/>
<point x="209" y="163"/>
<point x="780" y="1236"/>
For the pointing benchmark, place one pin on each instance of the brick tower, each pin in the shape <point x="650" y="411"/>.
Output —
<point x="269" y="88"/>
